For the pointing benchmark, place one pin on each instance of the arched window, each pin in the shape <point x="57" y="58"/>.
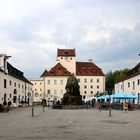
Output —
<point x="15" y="91"/>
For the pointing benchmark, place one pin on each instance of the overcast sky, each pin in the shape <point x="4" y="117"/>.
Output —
<point x="106" y="31"/>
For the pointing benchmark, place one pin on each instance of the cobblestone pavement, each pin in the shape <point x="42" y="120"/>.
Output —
<point x="86" y="124"/>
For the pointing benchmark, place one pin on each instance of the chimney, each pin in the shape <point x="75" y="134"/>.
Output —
<point x="3" y="62"/>
<point x="89" y="60"/>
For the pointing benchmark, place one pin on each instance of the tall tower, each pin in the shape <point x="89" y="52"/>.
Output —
<point x="67" y="58"/>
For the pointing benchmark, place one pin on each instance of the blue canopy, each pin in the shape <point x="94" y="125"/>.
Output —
<point x="124" y="95"/>
<point x="101" y="97"/>
<point x="104" y="97"/>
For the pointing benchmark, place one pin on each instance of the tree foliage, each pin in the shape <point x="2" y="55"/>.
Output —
<point x="113" y="77"/>
<point x="72" y="95"/>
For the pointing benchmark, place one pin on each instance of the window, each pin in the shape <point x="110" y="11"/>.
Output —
<point x="40" y="83"/>
<point x="84" y="97"/>
<point x="85" y="92"/>
<point x="36" y="94"/>
<point x="91" y="80"/>
<point x="19" y="85"/>
<point x="5" y="83"/>
<point x="91" y="86"/>
<point x="15" y="84"/>
<point x="78" y="79"/>
<point x="48" y="91"/>
<point x="55" y="82"/>
<point x="97" y="86"/>
<point x="40" y="89"/>
<point x="10" y="96"/>
<point x="55" y="91"/>
<point x="85" y="80"/>
<point x="19" y="98"/>
<point x="91" y="92"/>
<point x="133" y="85"/>
<point x="61" y="91"/>
<point x="48" y="82"/>
<point x="10" y="83"/>
<point x="85" y="86"/>
<point x="128" y="84"/>
<point x="61" y="82"/>
<point x="22" y="86"/>
<point x="98" y="80"/>
<point x="138" y="81"/>
<point x="29" y="94"/>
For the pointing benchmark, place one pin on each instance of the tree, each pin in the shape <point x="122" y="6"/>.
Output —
<point x="72" y="95"/>
<point x="113" y="77"/>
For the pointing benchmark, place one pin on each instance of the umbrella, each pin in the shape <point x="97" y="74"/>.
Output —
<point x="124" y="95"/>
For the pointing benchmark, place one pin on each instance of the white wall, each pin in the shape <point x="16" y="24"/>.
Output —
<point x="93" y="85"/>
<point x="9" y="90"/>
<point x="56" y="86"/>
<point x="69" y="63"/>
<point x="124" y="86"/>
<point x="38" y="89"/>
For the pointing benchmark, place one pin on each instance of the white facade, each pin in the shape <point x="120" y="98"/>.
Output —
<point x="55" y="87"/>
<point x="90" y="85"/>
<point x="38" y="89"/>
<point x="131" y="85"/>
<point x="13" y="87"/>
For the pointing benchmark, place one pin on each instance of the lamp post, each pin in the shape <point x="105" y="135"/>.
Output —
<point x="109" y="93"/>
<point x="44" y="100"/>
<point x="32" y="103"/>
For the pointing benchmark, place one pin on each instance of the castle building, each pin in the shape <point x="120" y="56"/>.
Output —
<point x="14" y="86"/>
<point x="90" y="76"/>
<point x="131" y="83"/>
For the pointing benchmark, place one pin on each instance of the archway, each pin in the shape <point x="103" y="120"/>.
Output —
<point x="15" y="96"/>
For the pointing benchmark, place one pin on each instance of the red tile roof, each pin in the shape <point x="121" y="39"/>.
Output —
<point x="43" y="74"/>
<point x="57" y="70"/>
<point x="88" y="69"/>
<point x="66" y="52"/>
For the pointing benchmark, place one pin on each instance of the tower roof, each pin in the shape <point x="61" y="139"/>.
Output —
<point x="66" y="52"/>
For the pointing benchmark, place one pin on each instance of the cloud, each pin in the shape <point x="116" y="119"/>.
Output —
<point x="32" y="30"/>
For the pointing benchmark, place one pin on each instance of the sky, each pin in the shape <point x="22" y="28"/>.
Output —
<point x="106" y="31"/>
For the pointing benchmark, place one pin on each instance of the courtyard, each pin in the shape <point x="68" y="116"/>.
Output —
<point x="85" y="124"/>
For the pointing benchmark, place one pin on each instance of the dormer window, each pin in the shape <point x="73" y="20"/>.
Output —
<point x="65" y="53"/>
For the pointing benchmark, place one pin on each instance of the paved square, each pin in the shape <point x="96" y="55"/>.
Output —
<point x="90" y="124"/>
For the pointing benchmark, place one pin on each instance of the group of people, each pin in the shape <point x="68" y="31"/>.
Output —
<point x="126" y="106"/>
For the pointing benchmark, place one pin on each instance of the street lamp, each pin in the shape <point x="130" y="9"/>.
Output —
<point x="109" y="93"/>
<point x="32" y="103"/>
<point x="44" y="100"/>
